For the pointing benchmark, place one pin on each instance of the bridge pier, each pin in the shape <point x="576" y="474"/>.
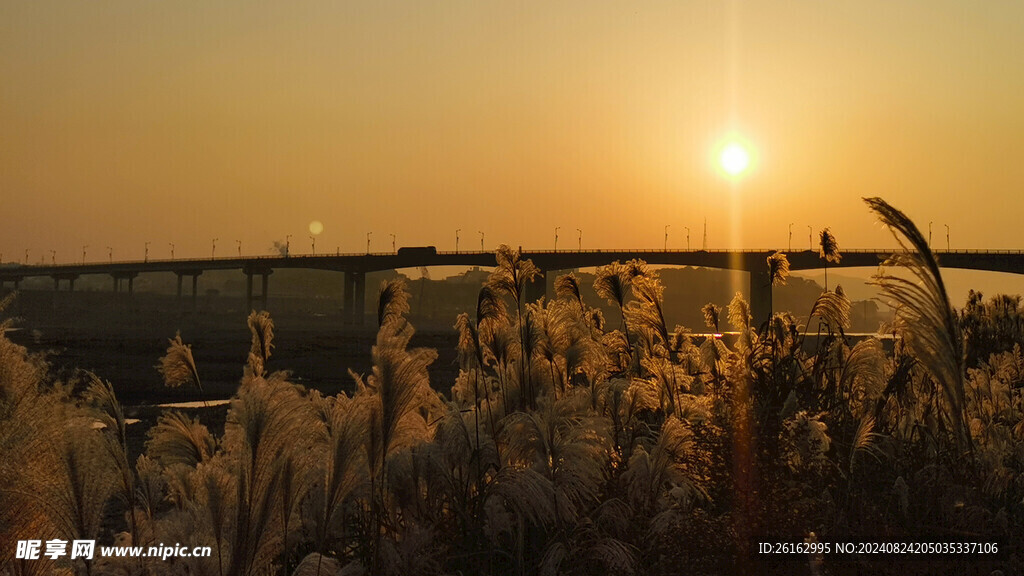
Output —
<point x="69" y="277"/>
<point x="347" y="299"/>
<point x="354" y="298"/>
<point x="195" y="274"/>
<point x="264" y="274"/>
<point x="130" y="277"/>
<point x="760" y="296"/>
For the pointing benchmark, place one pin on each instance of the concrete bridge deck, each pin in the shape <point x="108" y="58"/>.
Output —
<point x="355" y="267"/>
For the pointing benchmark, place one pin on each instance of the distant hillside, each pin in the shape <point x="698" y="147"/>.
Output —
<point x="436" y="303"/>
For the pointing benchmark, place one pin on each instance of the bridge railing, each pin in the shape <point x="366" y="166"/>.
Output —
<point x="11" y="266"/>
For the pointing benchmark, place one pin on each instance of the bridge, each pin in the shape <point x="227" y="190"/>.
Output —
<point x="355" y="266"/>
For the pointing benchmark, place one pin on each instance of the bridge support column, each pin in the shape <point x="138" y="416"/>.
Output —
<point x="250" y="296"/>
<point x="15" y="281"/>
<point x="69" y="277"/>
<point x="359" y="284"/>
<point x="195" y="274"/>
<point x="760" y="297"/>
<point x="248" y="292"/>
<point x="348" y="293"/>
<point x="354" y="298"/>
<point x="264" y="289"/>
<point x="538" y="288"/>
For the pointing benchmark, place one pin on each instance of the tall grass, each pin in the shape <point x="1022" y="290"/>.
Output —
<point x="564" y="448"/>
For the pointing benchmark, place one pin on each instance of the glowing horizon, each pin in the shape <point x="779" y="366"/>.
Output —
<point x="128" y="124"/>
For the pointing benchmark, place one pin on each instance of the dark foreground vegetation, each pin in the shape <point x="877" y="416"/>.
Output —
<point x="570" y="443"/>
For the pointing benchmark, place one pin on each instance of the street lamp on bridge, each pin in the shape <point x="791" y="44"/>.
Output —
<point x="239" y="242"/>
<point x="579" y="240"/>
<point x="929" y="234"/>
<point x="145" y="257"/>
<point x="86" y="246"/>
<point x="26" y="256"/>
<point x="687" y="237"/>
<point x="313" y="247"/>
<point x="790" y="249"/>
<point x="810" y="238"/>
<point x="287" y="245"/>
<point x="368" y="234"/>
<point x="457" y="230"/>
<point x="481" y="240"/>
<point x="666" y="236"/>
<point x="213" y="250"/>
<point x="53" y="257"/>
<point x="110" y="253"/>
<point x="171" y="244"/>
<point x="393" y="243"/>
<point x="557" y="228"/>
<point x="947" y="237"/>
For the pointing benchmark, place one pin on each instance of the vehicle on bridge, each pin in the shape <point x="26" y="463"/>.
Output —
<point x="417" y="251"/>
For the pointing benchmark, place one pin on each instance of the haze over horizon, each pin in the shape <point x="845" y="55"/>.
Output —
<point x="127" y="123"/>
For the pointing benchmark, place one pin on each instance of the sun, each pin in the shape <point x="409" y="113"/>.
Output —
<point x="316" y="227"/>
<point x="734" y="159"/>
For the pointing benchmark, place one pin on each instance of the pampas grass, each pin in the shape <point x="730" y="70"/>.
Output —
<point x="929" y="326"/>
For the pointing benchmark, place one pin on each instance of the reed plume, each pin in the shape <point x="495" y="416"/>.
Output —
<point x="828" y="250"/>
<point x="261" y="325"/>
<point x="393" y="300"/>
<point x="930" y="327"/>
<point x="778" y="269"/>
<point x="178" y="366"/>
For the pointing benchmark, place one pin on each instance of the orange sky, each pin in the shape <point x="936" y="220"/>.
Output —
<point x="123" y="122"/>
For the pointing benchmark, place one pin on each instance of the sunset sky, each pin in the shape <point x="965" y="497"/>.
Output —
<point x="123" y="122"/>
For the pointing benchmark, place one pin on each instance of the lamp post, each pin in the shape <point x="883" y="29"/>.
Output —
<point x="947" y="237"/>
<point x="666" y="236"/>
<point x="457" y="230"/>
<point x="239" y="242"/>
<point x="213" y="249"/>
<point x="790" y="249"/>
<point x="368" y="234"/>
<point x="705" y="233"/>
<point x="313" y="247"/>
<point x="687" y="237"/>
<point x="810" y="239"/>
<point x="86" y="246"/>
<point x="579" y="240"/>
<point x="110" y="253"/>
<point x="145" y="258"/>
<point x="26" y="256"/>
<point x="557" y="228"/>
<point x="929" y="234"/>
<point x="393" y="244"/>
<point x="171" y="244"/>
<point x="53" y="257"/>
<point x="287" y="245"/>
<point x="481" y="240"/>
